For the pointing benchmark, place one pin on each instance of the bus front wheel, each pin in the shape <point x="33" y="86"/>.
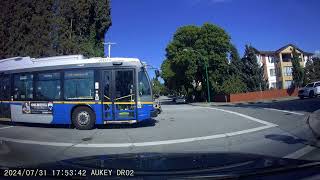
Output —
<point x="83" y="118"/>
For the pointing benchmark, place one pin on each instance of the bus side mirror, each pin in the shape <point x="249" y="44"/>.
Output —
<point x="157" y="72"/>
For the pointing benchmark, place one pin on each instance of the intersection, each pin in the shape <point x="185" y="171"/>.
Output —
<point x="261" y="128"/>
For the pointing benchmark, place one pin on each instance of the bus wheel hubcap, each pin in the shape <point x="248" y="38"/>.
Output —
<point x="83" y="118"/>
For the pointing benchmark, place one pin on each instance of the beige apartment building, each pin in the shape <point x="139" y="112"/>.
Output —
<point x="278" y="67"/>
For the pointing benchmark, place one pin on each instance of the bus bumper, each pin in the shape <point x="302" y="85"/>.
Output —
<point x="121" y="122"/>
<point x="154" y="113"/>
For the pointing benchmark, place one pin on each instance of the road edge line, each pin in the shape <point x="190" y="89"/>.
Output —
<point x="280" y="110"/>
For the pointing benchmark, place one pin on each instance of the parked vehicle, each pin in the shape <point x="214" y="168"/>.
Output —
<point x="180" y="99"/>
<point x="310" y="90"/>
<point x="174" y="98"/>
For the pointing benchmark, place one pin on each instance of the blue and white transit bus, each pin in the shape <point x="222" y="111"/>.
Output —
<point x="75" y="90"/>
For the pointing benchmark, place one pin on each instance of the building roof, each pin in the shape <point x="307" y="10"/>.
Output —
<point x="282" y="48"/>
<point x="267" y="52"/>
<point x="18" y="64"/>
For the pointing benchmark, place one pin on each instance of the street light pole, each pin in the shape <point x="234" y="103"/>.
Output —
<point x="109" y="48"/>
<point x="205" y="65"/>
<point x="206" y="68"/>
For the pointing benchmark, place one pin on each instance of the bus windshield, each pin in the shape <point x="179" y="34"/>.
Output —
<point x="144" y="86"/>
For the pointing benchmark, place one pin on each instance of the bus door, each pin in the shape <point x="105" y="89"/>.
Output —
<point x="119" y="95"/>
<point x="107" y="95"/>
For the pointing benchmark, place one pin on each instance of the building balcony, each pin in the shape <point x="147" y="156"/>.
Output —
<point x="287" y="60"/>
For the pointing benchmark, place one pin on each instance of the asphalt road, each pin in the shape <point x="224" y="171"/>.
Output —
<point x="276" y="128"/>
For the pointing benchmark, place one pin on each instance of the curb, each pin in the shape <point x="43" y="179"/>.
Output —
<point x="314" y="123"/>
<point x="244" y="102"/>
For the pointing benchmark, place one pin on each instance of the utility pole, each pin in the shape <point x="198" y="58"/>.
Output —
<point x="109" y="48"/>
<point x="206" y="67"/>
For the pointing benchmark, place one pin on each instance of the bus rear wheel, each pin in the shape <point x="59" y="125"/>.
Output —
<point x="83" y="118"/>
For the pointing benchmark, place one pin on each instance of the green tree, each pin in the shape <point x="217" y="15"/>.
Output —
<point x="236" y="64"/>
<point x="25" y="27"/>
<point x="297" y="70"/>
<point x="312" y="70"/>
<point x="234" y="84"/>
<point x="158" y="88"/>
<point x="168" y="75"/>
<point x="40" y="28"/>
<point x="252" y="72"/>
<point x="316" y="64"/>
<point x="191" y="49"/>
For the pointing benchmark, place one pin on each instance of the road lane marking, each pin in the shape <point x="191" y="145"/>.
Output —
<point x="291" y="112"/>
<point x="300" y="152"/>
<point x="245" y="116"/>
<point x="249" y="130"/>
<point x="138" y="144"/>
<point x="154" y="143"/>
<point x="6" y="127"/>
<point x="182" y="108"/>
<point x="22" y="141"/>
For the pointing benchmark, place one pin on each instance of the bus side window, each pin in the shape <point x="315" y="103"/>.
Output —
<point x="47" y="86"/>
<point x="4" y="87"/>
<point x="79" y="84"/>
<point x="23" y="87"/>
<point x="1" y="88"/>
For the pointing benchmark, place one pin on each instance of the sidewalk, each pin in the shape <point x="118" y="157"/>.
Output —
<point x="245" y="102"/>
<point x="314" y="123"/>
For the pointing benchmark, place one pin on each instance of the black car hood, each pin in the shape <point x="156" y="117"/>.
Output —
<point x="167" y="164"/>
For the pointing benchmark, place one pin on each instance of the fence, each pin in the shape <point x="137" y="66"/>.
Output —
<point x="257" y="95"/>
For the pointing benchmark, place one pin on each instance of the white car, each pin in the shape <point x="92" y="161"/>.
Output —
<point x="310" y="90"/>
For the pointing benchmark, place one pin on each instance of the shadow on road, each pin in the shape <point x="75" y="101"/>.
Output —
<point x="36" y="125"/>
<point x="306" y="105"/>
<point x="169" y="103"/>
<point x="285" y="139"/>
<point x="142" y="124"/>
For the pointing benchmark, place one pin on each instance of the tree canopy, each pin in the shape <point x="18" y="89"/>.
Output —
<point x="297" y="70"/>
<point x="158" y="88"/>
<point x="190" y="51"/>
<point x="312" y="70"/>
<point x="252" y="71"/>
<point x="40" y="28"/>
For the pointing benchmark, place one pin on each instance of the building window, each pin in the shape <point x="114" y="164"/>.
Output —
<point x="78" y="84"/>
<point x="286" y="57"/>
<point x="272" y="72"/>
<point x="278" y="72"/>
<point x="273" y="85"/>
<point x="47" y="86"/>
<point x="287" y="84"/>
<point x="287" y="71"/>
<point x="279" y="84"/>
<point x="271" y="59"/>
<point x="23" y="87"/>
